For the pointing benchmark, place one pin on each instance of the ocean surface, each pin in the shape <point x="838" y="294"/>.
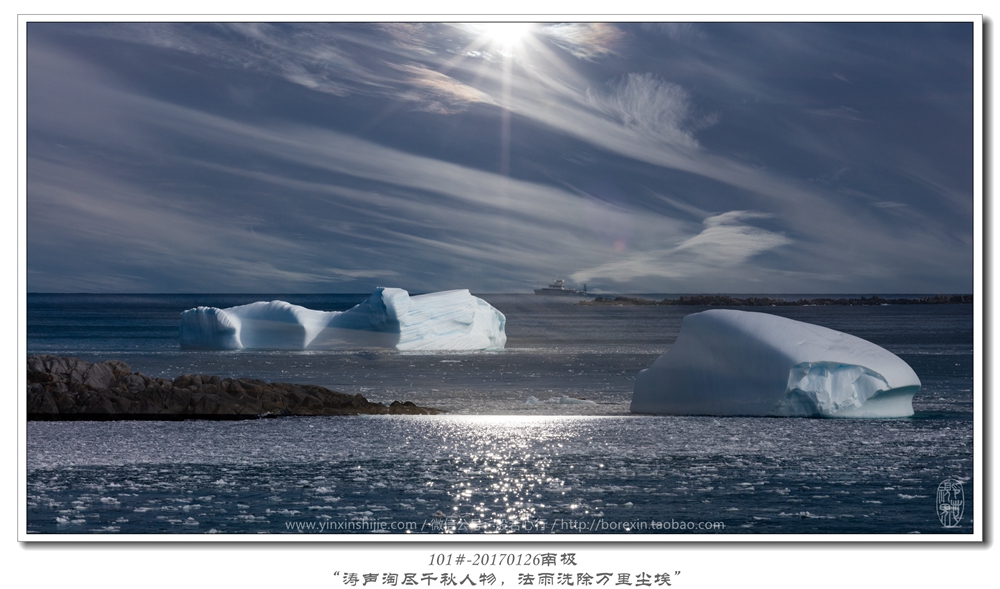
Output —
<point x="514" y="453"/>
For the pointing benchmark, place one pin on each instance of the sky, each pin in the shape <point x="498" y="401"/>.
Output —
<point x="630" y="157"/>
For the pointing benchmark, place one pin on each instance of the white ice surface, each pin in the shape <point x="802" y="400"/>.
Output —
<point x="389" y="318"/>
<point x="727" y="362"/>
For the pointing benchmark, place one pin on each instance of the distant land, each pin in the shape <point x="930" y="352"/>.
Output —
<point x="705" y="300"/>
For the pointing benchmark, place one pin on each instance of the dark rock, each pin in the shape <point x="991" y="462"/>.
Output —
<point x="62" y="388"/>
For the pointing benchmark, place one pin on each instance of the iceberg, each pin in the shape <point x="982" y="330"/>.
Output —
<point x="727" y="362"/>
<point x="390" y="318"/>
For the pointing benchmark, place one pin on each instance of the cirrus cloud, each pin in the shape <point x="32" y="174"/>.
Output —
<point x="725" y="242"/>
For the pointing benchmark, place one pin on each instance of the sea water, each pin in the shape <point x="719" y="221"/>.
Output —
<point x="516" y="452"/>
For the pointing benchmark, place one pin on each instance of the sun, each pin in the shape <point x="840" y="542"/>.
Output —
<point x="505" y="34"/>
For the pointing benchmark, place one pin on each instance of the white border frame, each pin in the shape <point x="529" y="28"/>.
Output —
<point x="978" y="307"/>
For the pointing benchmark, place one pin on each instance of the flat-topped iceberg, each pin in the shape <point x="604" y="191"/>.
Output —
<point x="728" y="362"/>
<point x="390" y="318"/>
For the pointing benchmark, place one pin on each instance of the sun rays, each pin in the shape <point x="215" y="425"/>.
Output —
<point x="505" y="34"/>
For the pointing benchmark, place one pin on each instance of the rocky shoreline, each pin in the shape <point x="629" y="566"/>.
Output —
<point x="728" y="301"/>
<point x="64" y="388"/>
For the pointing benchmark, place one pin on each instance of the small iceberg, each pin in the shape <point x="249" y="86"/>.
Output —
<point x="728" y="362"/>
<point x="390" y="318"/>
<point x="561" y="400"/>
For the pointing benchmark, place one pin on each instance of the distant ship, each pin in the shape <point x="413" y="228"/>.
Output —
<point x="558" y="288"/>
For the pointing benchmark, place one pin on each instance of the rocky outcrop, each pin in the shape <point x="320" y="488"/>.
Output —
<point x="62" y="388"/>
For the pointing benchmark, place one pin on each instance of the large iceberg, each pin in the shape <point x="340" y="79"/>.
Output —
<point x="389" y="318"/>
<point x="728" y="362"/>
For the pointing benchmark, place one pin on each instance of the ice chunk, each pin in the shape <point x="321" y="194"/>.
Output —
<point x="389" y="318"/>
<point x="729" y="362"/>
<point x="561" y="400"/>
<point x="564" y="400"/>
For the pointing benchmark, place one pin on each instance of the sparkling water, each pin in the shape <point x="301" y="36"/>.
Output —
<point x="517" y="451"/>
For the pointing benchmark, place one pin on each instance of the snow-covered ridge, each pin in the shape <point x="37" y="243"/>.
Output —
<point x="729" y="362"/>
<point x="389" y="318"/>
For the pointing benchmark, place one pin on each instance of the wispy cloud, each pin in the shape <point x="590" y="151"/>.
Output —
<point x="586" y="41"/>
<point x="653" y="107"/>
<point x="845" y="113"/>
<point x="436" y="92"/>
<point x="418" y="215"/>
<point x="76" y="211"/>
<point x="339" y="59"/>
<point x="678" y="31"/>
<point x="726" y="241"/>
<point x="241" y="178"/>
